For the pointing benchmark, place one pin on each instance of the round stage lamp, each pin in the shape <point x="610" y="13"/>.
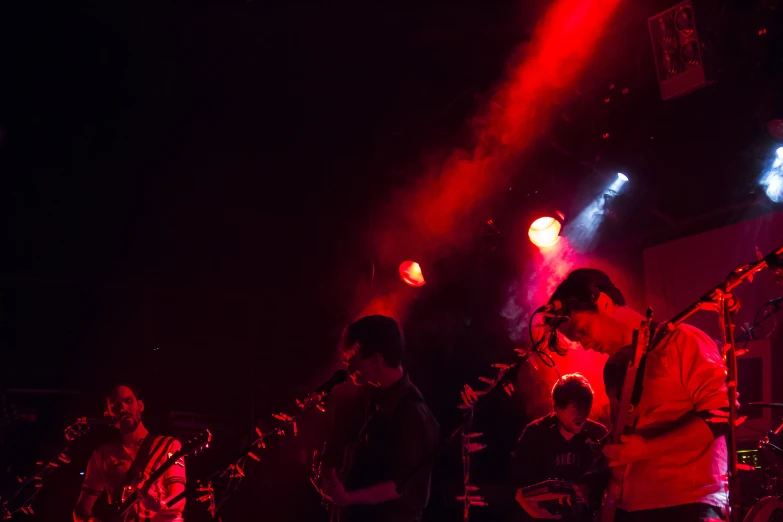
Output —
<point x="410" y="272"/>
<point x="544" y="232"/>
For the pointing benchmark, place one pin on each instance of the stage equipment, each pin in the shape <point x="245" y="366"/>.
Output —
<point x="21" y="501"/>
<point x="410" y="273"/>
<point x="721" y="300"/>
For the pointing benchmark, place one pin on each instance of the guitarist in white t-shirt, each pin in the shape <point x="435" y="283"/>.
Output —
<point x="676" y="457"/>
<point x="116" y="466"/>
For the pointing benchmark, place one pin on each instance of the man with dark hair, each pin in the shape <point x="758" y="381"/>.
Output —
<point x="131" y="460"/>
<point x="676" y="459"/>
<point x="562" y="446"/>
<point x="386" y="476"/>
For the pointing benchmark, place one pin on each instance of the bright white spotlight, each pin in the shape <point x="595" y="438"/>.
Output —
<point x="772" y="180"/>
<point x="544" y="232"/>
<point x="581" y="231"/>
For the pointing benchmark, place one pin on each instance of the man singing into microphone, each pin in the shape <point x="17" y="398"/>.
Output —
<point x="677" y="457"/>
<point x="387" y="477"/>
<point x="129" y="461"/>
<point x="563" y="446"/>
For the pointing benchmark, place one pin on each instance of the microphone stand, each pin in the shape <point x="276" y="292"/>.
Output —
<point x="720" y="299"/>
<point x="505" y="376"/>
<point x="234" y="465"/>
<point x="42" y="472"/>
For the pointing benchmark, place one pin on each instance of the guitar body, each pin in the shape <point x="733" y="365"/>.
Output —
<point x="348" y="457"/>
<point x="624" y="422"/>
<point x="317" y="467"/>
<point x="130" y="493"/>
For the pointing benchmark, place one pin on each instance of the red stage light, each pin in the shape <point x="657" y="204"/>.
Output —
<point x="544" y="232"/>
<point x="410" y="272"/>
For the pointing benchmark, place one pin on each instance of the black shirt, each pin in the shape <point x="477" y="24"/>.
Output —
<point x="398" y="436"/>
<point x="543" y="453"/>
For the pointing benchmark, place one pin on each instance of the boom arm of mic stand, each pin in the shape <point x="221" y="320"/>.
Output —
<point x="774" y="261"/>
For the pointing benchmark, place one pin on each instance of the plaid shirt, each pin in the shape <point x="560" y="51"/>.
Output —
<point x="109" y="465"/>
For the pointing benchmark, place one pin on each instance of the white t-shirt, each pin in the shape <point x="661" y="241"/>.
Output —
<point x="684" y="374"/>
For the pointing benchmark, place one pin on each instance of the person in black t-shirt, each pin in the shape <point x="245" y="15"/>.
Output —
<point x="386" y="472"/>
<point x="564" y="446"/>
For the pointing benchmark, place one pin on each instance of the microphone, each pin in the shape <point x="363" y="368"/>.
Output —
<point x="108" y="420"/>
<point x="554" y="306"/>
<point x="339" y="377"/>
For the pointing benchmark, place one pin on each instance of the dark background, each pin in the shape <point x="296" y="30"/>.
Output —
<point x="188" y="196"/>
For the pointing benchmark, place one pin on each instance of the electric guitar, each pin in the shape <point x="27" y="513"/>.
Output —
<point x="317" y="477"/>
<point x="131" y="495"/>
<point x="624" y="423"/>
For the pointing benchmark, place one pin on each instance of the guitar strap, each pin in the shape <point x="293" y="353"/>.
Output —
<point x="142" y="459"/>
<point x="638" y="386"/>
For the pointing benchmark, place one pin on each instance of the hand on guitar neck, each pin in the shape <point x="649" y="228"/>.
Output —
<point x="624" y="448"/>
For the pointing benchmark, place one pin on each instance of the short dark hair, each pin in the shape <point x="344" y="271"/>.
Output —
<point x="111" y="391"/>
<point x="376" y="334"/>
<point x="580" y="290"/>
<point x="572" y="388"/>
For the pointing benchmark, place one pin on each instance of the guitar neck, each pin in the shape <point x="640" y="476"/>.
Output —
<point x="625" y="413"/>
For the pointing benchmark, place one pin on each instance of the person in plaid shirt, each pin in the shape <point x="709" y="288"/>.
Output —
<point x="109" y="465"/>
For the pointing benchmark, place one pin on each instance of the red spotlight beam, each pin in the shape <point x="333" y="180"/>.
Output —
<point x="520" y="111"/>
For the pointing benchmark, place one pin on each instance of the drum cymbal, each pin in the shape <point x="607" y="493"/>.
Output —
<point x="767" y="404"/>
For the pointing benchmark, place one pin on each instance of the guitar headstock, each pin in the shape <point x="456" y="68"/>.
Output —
<point x="645" y="328"/>
<point x="76" y="430"/>
<point x="195" y="444"/>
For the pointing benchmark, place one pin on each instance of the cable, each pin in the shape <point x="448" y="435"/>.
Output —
<point x="543" y="356"/>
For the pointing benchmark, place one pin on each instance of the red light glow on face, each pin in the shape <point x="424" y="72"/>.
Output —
<point x="544" y="232"/>
<point x="410" y="272"/>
